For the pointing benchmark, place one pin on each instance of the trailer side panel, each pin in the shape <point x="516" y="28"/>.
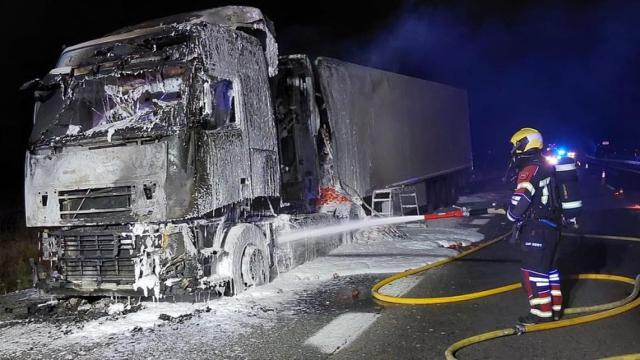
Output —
<point x="389" y="128"/>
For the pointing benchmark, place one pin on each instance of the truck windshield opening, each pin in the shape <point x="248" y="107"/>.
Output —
<point x="148" y="98"/>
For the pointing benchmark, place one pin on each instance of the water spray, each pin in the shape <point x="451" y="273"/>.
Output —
<point x="315" y="232"/>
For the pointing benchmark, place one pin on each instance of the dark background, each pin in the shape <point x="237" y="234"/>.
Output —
<point x="570" y="69"/>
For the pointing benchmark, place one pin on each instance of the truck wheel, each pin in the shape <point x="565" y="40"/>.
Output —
<point x="248" y="258"/>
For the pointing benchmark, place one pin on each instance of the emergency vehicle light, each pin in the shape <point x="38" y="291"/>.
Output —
<point x="553" y="160"/>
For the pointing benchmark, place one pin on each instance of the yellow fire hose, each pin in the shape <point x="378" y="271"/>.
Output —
<point x="600" y="311"/>
<point x="624" y="357"/>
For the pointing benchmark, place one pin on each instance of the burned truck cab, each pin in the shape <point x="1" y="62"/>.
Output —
<point x="148" y="147"/>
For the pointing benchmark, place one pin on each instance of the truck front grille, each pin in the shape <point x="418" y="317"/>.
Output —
<point x="96" y="203"/>
<point x="98" y="258"/>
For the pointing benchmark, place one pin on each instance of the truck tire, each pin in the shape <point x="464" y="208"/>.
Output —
<point x="248" y="258"/>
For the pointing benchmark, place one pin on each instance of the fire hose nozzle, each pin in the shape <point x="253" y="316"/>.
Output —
<point x="462" y="212"/>
<point x="445" y="215"/>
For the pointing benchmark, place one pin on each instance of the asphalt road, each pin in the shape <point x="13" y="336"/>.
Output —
<point x="424" y="332"/>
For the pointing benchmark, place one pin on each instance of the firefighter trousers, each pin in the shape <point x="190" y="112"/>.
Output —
<point x="540" y="277"/>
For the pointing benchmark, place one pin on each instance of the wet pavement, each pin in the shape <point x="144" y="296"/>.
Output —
<point x="424" y="332"/>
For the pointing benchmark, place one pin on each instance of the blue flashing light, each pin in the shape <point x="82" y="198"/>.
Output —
<point x="561" y="152"/>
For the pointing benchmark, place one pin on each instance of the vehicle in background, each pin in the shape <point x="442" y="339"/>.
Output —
<point x="554" y="153"/>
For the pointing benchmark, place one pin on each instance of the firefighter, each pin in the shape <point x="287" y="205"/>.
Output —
<point x="537" y="215"/>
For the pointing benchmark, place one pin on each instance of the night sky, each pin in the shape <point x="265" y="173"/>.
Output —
<point x="572" y="69"/>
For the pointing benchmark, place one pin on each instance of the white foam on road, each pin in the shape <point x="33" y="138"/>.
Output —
<point x="479" y="221"/>
<point x="145" y="318"/>
<point x="376" y="254"/>
<point x="373" y="251"/>
<point x="340" y="332"/>
<point x="401" y="286"/>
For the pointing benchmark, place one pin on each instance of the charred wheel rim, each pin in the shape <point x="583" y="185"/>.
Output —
<point x="252" y="266"/>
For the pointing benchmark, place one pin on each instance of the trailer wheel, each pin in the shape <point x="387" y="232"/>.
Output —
<point x="248" y="258"/>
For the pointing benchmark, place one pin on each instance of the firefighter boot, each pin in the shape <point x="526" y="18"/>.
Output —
<point x="531" y="319"/>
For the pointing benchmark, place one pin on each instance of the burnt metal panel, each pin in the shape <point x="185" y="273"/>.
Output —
<point x="239" y="152"/>
<point x="243" y="18"/>
<point x="96" y="203"/>
<point x="389" y="128"/>
<point x="52" y="178"/>
<point x="297" y="122"/>
<point x="227" y="163"/>
<point x="97" y="256"/>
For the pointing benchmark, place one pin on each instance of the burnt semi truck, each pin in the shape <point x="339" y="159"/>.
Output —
<point x="167" y="157"/>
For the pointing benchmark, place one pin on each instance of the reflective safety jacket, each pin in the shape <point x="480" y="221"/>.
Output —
<point x="535" y="196"/>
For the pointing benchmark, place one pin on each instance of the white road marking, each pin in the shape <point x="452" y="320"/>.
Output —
<point x="340" y="332"/>
<point x="479" y="221"/>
